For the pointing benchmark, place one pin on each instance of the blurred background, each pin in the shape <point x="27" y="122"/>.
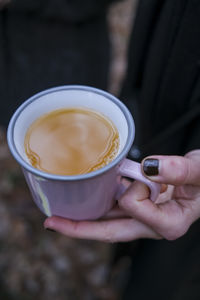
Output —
<point x="35" y="263"/>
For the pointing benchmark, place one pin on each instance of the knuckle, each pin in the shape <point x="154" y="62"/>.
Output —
<point x="109" y="237"/>
<point x="125" y="202"/>
<point x="175" y="230"/>
<point x="180" y="169"/>
<point x="75" y="226"/>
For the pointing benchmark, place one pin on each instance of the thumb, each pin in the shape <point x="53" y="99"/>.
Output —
<point x="175" y="170"/>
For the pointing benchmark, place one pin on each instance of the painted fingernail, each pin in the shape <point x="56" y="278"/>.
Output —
<point x="151" y="166"/>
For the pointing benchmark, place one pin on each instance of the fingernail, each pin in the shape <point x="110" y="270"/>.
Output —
<point x="151" y="166"/>
<point x="49" y="229"/>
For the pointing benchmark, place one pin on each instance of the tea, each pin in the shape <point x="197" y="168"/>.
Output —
<point x="71" y="141"/>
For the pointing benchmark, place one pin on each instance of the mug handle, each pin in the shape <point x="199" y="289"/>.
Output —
<point x="132" y="169"/>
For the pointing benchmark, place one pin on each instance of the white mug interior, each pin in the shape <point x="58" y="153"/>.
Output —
<point x="58" y="98"/>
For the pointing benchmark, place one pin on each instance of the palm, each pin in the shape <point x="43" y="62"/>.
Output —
<point x="179" y="207"/>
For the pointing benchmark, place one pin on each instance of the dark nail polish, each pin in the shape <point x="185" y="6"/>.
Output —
<point x="151" y="166"/>
<point x="49" y="229"/>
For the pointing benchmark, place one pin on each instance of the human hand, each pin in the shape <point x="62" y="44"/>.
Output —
<point x="138" y="217"/>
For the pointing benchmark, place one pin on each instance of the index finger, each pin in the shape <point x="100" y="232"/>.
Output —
<point x="175" y="170"/>
<point x="117" y="230"/>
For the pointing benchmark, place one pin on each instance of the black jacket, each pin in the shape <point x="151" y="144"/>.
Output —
<point x="162" y="87"/>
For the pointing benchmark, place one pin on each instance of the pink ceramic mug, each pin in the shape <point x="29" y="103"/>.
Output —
<point x="86" y="196"/>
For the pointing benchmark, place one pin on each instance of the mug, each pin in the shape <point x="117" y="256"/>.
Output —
<point x="86" y="196"/>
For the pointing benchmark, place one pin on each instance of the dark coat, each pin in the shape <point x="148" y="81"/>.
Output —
<point x="162" y="89"/>
<point x="49" y="43"/>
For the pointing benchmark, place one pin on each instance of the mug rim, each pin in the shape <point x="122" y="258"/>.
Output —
<point x="113" y="163"/>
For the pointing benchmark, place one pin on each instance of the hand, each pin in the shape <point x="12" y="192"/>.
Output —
<point x="138" y="217"/>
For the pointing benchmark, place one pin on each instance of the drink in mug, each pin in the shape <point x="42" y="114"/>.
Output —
<point x="71" y="142"/>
